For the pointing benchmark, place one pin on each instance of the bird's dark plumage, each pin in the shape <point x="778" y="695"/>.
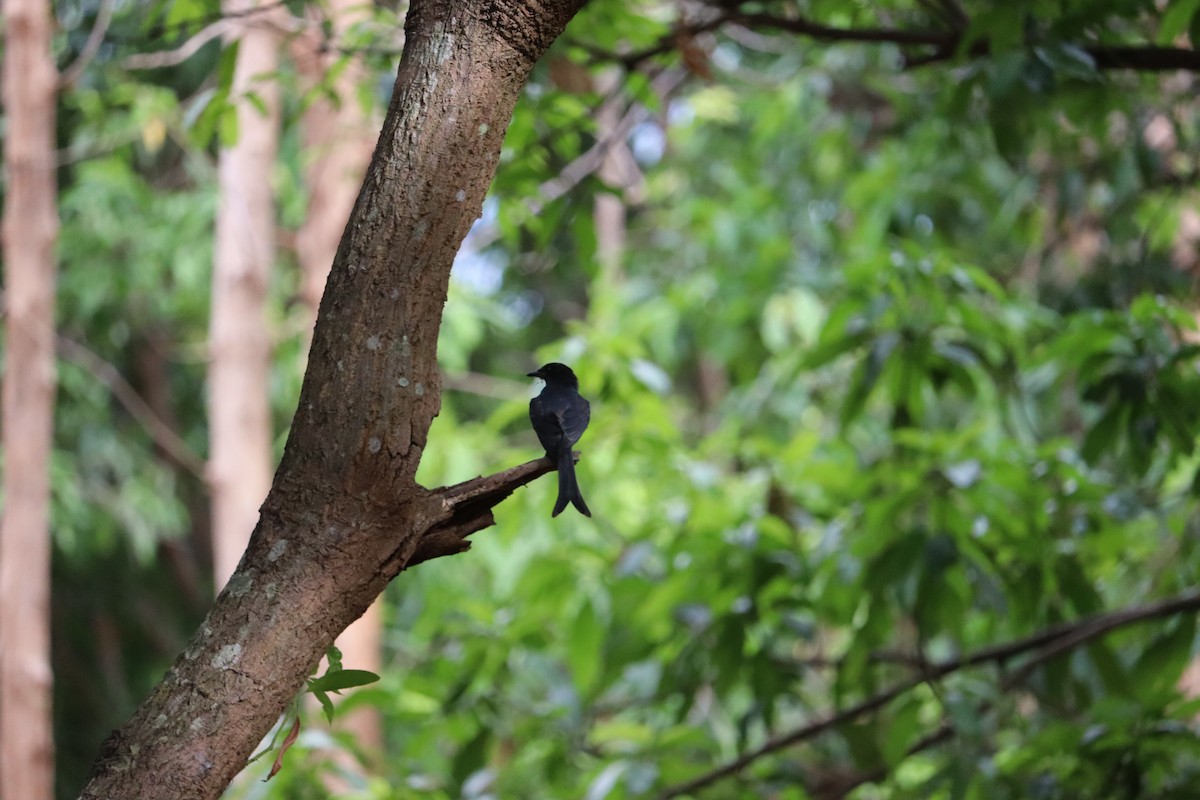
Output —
<point x="560" y="416"/>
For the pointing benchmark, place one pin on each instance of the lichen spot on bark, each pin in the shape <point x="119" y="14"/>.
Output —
<point x="406" y="355"/>
<point x="239" y="584"/>
<point x="277" y="550"/>
<point x="227" y="657"/>
<point x="374" y="445"/>
<point x="402" y="381"/>
<point x="460" y="195"/>
<point x="373" y="342"/>
<point x="419" y="390"/>
<point x="483" y="129"/>
<point x="443" y="42"/>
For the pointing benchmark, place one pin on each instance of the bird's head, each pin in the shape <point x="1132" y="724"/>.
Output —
<point x="556" y="374"/>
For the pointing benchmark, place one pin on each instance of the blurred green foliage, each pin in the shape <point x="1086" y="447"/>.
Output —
<point x="898" y="364"/>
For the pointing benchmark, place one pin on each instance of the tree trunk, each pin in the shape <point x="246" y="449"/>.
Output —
<point x="344" y="514"/>
<point x="338" y="139"/>
<point x="239" y="412"/>
<point x="30" y="228"/>
<point x="618" y="171"/>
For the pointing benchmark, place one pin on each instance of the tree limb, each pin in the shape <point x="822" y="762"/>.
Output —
<point x="946" y="44"/>
<point x="90" y="47"/>
<point x="588" y="162"/>
<point x="1078" y="635"/>
<point x="162" y="434"/>
<point x="467" y="507"/>
<point x="1052" y="642"/>
<point x="273" y="14"/>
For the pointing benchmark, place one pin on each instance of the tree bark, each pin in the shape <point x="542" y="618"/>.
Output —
<point x="239" y="412"/>
<point x="344" y="514"/>
<point x="30" y="229"/>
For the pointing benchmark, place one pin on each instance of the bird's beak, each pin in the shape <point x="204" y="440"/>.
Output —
<point x="533" y="374"/>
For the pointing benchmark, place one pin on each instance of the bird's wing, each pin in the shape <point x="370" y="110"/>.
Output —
<point x="574" y="419"/>
<point x="544" y="423"/>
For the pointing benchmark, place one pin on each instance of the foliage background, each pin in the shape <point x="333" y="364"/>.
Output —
<point x="896" y="364"/>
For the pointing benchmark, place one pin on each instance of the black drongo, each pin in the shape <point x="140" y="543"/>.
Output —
<point x="560" y="416"/>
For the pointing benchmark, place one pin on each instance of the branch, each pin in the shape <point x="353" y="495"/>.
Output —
<point x="162" y="434"/>
<point x="467" y="507"/>
<point x="585" y="164"/>
<point x="90" y="47"/>
<point x="946" y="730"/>
<point x="945" y="44"/>
<point x="1053" y="642"/>
<point x="226" y="22"/>
<point x="829" y="33"/>
<point x="1145" y="59"/>
<point x="169" y="58"/>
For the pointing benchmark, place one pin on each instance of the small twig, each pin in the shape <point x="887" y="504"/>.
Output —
<point x="162" y="434"/>
<point x="944" y="43"/>
<point x="586" y="163"/>
<point x="90" y="47"/>
<point x="170" y="58"/>
<point x="1053" y="641"/>
<point x="830" y="33"/>
<point x="225" y="23"/>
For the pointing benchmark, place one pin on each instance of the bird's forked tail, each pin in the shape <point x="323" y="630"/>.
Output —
<point x="568" y="486"/>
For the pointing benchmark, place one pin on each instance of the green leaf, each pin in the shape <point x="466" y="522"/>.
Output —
<point x="902" y="728"/>
<point x="1159" y="666"/>
<point x="1067" y="60"/>
<point x="584" y="652"/>
<point x="1002" y="25"/>
<point x="868" y="375"/>
<point x="1112" y="673"/>
<point x="1010" y="132"/>
<point x="326" y="703"/>
<point x="472" y="756"/>
<point x="1103" y="436"/>
<point x="227" y="126"/>
<point x="335" y="681"/>
<point x="1176" y="20"/>
<point x="333" y="655"/>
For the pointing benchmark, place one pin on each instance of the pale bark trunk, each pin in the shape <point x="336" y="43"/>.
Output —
<point x="338" y="140"/>
<point x="608" y="214"/>
<point x="239" y="469"/>
<point x="339" y="136"/>
<point x="344" y="514"/>
<point x="30" y="228"/>
<point x="620" y="173"/>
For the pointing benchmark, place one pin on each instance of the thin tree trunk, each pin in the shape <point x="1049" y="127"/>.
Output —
<point x="338" y="139"/>
<point x="30" y="229"/>
<point x="345" y="514"/>
<point x="239" y="413"/>
<point x="608" y="214"/>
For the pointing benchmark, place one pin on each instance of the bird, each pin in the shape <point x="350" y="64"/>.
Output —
<point x="560" y="415"/>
